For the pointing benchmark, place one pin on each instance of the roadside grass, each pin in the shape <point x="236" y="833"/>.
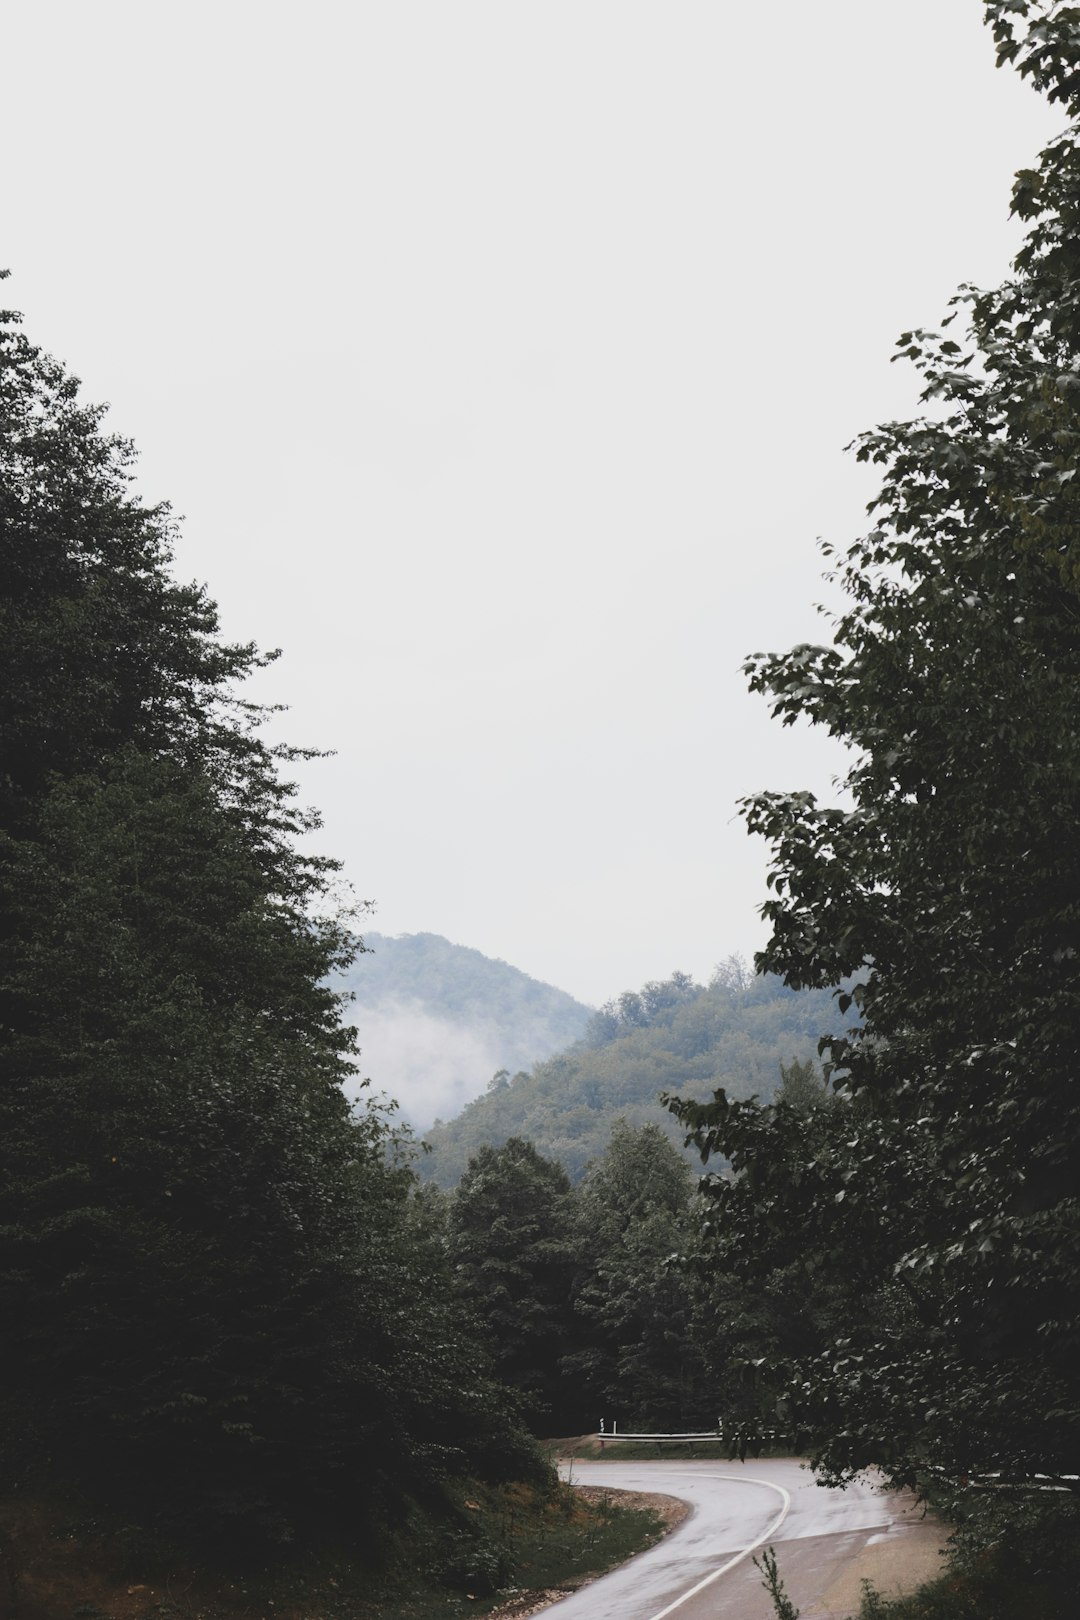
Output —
<point x="578" y="1538"/>
<point x="487" y="1551"/>
<point x="546" y="1548"/>
<point x="520" y="1544"/>
<point x="592" y="1449"/>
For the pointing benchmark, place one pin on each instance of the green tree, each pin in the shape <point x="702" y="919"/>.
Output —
<point x="633" y="1301"/>
<point x="213" y="1301"/>
<point x="802" y="1086"/>
<point x="948" y="888"/>
<point x="512" y="1246"/>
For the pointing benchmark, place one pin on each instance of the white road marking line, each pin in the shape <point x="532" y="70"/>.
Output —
<point x="740" y="1479"/>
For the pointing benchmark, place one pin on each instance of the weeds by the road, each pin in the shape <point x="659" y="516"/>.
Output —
<point x="972" y="1597"/>
<point x="490" y="1550"/>
<point x="785" y="1609"/>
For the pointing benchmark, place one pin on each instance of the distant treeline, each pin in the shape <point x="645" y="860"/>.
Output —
<point x="672" y="1035"/>
<point x="597" y="1299"/>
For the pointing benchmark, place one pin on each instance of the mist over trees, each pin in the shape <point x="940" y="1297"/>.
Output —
<point x="436" y="1020"/>
<point x="672" y="1035"/>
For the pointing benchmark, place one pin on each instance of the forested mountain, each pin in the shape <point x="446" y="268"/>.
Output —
<point x="673" y="1035"/>
<point x="436" y="1020"/>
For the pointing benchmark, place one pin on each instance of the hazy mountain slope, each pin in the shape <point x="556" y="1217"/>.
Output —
<point x="437" y="1020"/>
<point x="676" y="1036"/>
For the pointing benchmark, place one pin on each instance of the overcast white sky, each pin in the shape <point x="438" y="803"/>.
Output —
<point x="500" y="355"/>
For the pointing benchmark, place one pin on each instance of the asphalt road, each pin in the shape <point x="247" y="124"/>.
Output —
<point x="704" y="1570"/>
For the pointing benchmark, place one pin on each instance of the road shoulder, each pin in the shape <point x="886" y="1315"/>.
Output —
<point x="895" y="1561"/>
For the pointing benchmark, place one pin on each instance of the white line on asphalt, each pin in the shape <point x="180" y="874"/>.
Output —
<point x="739" y="1479"/>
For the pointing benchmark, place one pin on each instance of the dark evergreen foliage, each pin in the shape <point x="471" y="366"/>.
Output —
<point x="637" y="1351"/>
<point x="583" y="1291"/>
<point x="215" y="1301"/>
<point x="511" y="1237"/>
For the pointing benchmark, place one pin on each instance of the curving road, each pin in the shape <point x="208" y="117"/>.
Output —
<point x="704" y="1570"/>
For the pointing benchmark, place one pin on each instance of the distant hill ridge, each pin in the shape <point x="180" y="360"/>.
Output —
<point x="673" y="1035"/>
<point x="460" y="983"/>
<point x="436" y="1020"/>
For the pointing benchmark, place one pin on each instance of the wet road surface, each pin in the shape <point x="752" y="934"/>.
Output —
<point x="704" y="1570"/>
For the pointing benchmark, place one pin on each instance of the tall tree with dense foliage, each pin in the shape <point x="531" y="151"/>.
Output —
<point x="947" y="887"/>
<point x="512" y="1243"/>
<point x="633" y="1301"/>
<point x="212" y="1300"/>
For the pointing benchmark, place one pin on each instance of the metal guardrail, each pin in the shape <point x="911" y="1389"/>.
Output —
<point x="661" y="1439"/>
<point x="604" y="1433"/>
<point x="1037" y="1482"/>
<point x="680" y="1436"/>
